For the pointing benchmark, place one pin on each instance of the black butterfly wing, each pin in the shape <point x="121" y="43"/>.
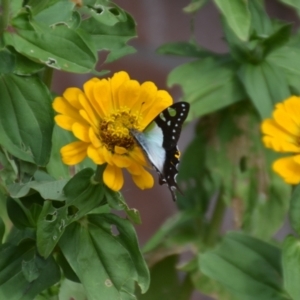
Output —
<point x="170" y="121"/>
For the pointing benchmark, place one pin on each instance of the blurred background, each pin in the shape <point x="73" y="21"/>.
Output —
<point x="160" y="22"/>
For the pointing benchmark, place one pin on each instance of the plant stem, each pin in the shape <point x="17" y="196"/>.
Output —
<point x="216" y="221"/>
<point x="5" y="16"/>
<point x="47" y="77"/>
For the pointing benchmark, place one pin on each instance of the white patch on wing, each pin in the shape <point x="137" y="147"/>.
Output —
<point x="151" y="142"/>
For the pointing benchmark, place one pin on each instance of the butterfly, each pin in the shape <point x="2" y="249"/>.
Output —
<point x="159" y="143"/>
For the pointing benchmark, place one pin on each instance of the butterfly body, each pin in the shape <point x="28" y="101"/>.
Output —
<point x="159" y="143"/>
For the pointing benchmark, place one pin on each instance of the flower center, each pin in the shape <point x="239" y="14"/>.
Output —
<point x="114" y="129"/>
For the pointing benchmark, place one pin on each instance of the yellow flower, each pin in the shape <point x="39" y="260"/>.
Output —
<point x="101" y="117"/>
<point x="282" y="134"/>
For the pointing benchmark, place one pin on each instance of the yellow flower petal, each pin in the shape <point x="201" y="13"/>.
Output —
<point x="71" y="95"/>
<point x="94" y="139"/>
<point x="102" y="98"/>
<point x="138" y="156"/>
<point x="113" y="177"/>
<point x="120" y="150"/>
<point x="89" y="89"/>
<point x="115" y="82"/>
<point x="95" y="155"/>
<point x="144" y="180"/>
<point x="64" y="122"/>
<point x="162" y="101"/>
<point x="292" y="108"/>
<point x="288" y="169"/>
<point x="62" y="106"/>
<point x="90" y="115"/>
<point x="128" y="90"/>
<point x="277" y="138"/>
<point x="74" y="152"/>
<point x="121" y="161"/>
<point x="81" y="132"/>
<point x="135" y="169"/>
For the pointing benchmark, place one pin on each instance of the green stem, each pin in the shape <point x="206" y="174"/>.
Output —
<point x="47" y="77"/>
<point x="5" y="16"/>
<point x="216" y="221"/>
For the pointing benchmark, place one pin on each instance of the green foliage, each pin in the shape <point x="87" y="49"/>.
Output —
<point x="61" y="231"/>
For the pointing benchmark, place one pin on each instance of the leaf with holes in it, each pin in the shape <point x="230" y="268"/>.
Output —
<point x="110" y="28"/>
<point x="58" y="47"/>
<point x="81" y="197"/>
<point x="103" y="251"/>
<point x="26" y="118"/>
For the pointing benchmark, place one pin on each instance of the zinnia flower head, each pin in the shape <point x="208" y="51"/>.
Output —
<point x="101" y="116"/>
<point x="282" y="134"/>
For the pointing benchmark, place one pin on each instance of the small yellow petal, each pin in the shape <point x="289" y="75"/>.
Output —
<point x="162" y="101"/>
<point x="113" y="177"/>
<point x="81" y="132"/>
<point x="64" y="122"/>
<point x="135" y="169"/>
<point x="278" y="138"/>
<point x="89" y="115"/>
<point x="89" y="88"/>
<point x="128" y="90"/>
<point x="62" y="106"/>
<point x="288" y="169"/>
<point x="71" y="95"/>
<point x="102" y="96"/>
<point x="144" y="180"/>
<point x="121" y="161"/>
<point x="116" y="81"/>
<point x="94" y="139"/>
<point x="107" y="155"/>
<point x="138" y="156"/>
<point x="120" y="150"/>
<point x="95" y="155"/>
<point x="74" y="152"/>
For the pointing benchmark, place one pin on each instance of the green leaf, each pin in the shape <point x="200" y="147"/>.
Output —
<point x="208" y="84"/>
<point x="114" y="258"/>
<point x="58" y="47"/>
<point x="24" y="274"/>
<point x="260" y="21"/>
<point x="287" y="59"/>
<point x="290" y="262"/>
<point x="110" y="29"/>
<point x="56" y="167"/>
<point x="265" y="86"/>
<point x="250" y="268"/>
<point x="7" y="61"/>
<point x="19" y="214"/>
<point x="53" y="12"/>
<point x="47" y="189"/>
<point x="2" y="230"/>
<point x="116" y="201"/>
<point x="194" y="6"/>
<point x="277" y="39"/>
<point x="294" y="211"/>
<point x="26" y="118"/>
<point x="182" y="49"/>
<point x="81" y="197"/>
<point x="237" y="15"/>
<point x="165" y="282"/>
<point x="15" y="6"/>
<point x="71" y="290"/>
